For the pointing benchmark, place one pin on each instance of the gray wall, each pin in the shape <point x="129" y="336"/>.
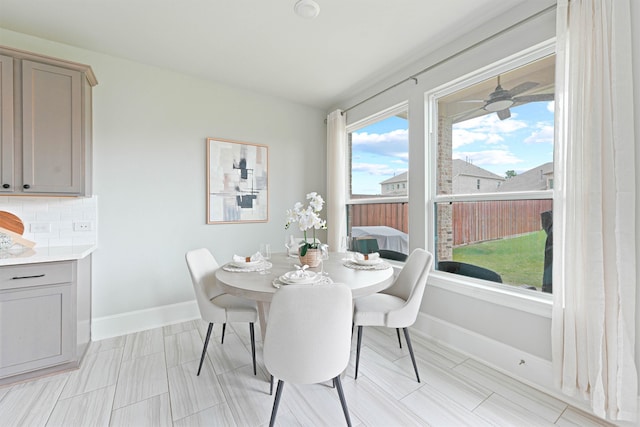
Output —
<point x="150" y="127"/>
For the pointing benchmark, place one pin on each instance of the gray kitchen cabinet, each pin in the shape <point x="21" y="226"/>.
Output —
<point x="46" y="112"/>
<point x="6" y="122"/>
<point x="45" y="317"/>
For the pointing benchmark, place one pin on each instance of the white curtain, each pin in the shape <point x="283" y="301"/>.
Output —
<point x="336" y="180"/>
<point x="594" y="211"/>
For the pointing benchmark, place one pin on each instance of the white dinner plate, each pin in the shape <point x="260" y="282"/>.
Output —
<point x="292" y="278"/>
<point x="246" y="264"/>
<point x="368" y="261"/>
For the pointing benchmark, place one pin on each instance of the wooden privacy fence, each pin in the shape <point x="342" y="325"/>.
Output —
<point x="490" y="220"/>
<point x="395" y="215"/>
<point x="472" y="222"/>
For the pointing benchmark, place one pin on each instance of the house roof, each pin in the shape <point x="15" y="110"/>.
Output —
<point x="531" y="180"/>
<point x="401" y="177"/>
<point x="461" y="167"/>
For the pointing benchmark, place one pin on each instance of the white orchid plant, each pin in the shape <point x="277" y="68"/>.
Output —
<point x="307" y="218"/>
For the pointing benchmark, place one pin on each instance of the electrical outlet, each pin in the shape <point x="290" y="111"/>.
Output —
<point x="40" y="227"/>
<point x="82" y="226"/>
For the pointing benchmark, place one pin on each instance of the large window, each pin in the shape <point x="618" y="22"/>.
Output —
<point x="379" y="186"/>
<point x="494" y="171"/>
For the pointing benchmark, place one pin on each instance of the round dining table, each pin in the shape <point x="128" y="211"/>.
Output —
<point x="259" y="286"/>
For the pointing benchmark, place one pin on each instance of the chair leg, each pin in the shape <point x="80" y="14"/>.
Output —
<point x="204" y="349"/>
<point x="338" y="384"/>
<point x="276" y="402"/>
<point x="224" y="328"/>
<point x="271" y="386"/>
<point x="413" y="359"/>
<point x="358" y="350"/>
<point x="253" y="346"/>
<point x="398" y="333"/>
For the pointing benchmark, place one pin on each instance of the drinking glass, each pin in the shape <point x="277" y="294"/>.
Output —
<point x="324" y="252"/>
<point x="265" y="251"/>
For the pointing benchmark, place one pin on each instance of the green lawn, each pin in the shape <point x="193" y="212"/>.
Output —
<point x="519" y="260"/>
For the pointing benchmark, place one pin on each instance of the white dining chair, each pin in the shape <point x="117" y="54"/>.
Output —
<point x="216" y="306"/>
<point x="398" y="305"/>
<point x="308" y="337"/>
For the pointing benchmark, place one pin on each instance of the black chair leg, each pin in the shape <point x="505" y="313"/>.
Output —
<point x="271" y="386"/>
<point x="413" y="359"/>
<point x="358" y="350"/>
<point x="398" y="333"/>
<point x="338" y="384"/>
<point x="253" y="346"/>
<point x="276" y="402"/>
<point x="204" y="349"/>
<point x="224" y="328"/>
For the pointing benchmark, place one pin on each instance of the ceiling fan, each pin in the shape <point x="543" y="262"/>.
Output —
<point x="500" y="100"/>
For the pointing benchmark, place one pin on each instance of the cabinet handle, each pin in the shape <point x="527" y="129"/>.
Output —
<point x="5" y="186"/>
<point x="27" y="277"/>
<point x="26" y="186"/>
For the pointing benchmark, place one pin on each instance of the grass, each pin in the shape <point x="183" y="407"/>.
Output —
<point x="519" y="260"/>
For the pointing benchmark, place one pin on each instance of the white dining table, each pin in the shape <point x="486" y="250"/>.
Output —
<point x="260" y="288"/>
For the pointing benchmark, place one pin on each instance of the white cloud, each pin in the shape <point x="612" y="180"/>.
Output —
<point x="491" y="123"/>
<point x="376" y="169"/>
<point x="488" y="157"/>
<point x="395" y="136"/>
<point x="488" y="129"/>
<point x="393" y="144"/>
<point x="551" y="106"/>
<point x="542" y="135"/>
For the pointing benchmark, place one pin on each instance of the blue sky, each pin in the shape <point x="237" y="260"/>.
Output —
<point x="522" y="142"/>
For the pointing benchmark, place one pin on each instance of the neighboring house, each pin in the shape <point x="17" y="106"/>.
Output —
<point x="395" y="186"/>
<point x="468" y="178"/>
<point x="535" y="179"/>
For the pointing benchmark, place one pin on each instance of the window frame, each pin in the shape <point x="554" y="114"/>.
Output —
<point x="537" y="303"/>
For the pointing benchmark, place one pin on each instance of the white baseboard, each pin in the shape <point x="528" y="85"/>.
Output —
<point x="140" y="320"/>
<point x="526" y="367"/>
<point x="535" y="371"/>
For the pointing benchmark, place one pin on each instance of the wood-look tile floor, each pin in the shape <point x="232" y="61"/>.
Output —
<point x="149" y="379"/>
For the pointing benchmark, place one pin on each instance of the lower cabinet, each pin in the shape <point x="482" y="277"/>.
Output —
<point x="43" y="323"/>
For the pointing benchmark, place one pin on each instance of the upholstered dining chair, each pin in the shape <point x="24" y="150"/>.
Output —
<point x="308" y="337"/>
<point x="398" y="305"/>
<point x="216" y="306"/>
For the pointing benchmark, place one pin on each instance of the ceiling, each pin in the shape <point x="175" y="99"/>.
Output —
<point x="259" y="45"/>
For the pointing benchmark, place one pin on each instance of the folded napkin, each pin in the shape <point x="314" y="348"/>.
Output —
<point x="301" y="272"/>
<point x="255" y="257"/>
<point x="367" y="257"/>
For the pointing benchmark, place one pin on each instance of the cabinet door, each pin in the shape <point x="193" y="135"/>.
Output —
<point x="36" y="328"/>
<point x="51" y="129"/>
<point x="6" y="124"/>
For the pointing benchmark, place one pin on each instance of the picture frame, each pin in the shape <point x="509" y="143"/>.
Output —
<point x="237" y="182"/>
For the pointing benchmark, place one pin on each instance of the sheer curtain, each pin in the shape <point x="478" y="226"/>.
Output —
<point x="336" y="179"/>
<point x="594" y="212"/>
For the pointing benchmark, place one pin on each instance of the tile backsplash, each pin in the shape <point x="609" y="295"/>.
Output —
<point x="55" y="221"/>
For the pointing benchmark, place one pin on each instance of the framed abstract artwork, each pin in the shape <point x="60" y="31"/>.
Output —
<point x="237" y="182"/>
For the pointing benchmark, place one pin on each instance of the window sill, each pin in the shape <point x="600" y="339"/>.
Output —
<point x="504" y="295"/>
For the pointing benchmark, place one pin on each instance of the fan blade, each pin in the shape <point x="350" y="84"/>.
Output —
<point x="534" y="98"/>
<point x="504" y="114"/>
<point x="522" y="87"/>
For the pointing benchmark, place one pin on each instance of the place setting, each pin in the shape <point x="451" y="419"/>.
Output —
<point x="371" y="261"/>
<point x="302" y="276"/>
<point x="258" y="262"/>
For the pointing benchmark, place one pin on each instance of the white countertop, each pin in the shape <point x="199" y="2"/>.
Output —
<point x="45" y="254"/>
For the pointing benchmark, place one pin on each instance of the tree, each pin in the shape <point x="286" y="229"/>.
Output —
<point x="510" y="174"/>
